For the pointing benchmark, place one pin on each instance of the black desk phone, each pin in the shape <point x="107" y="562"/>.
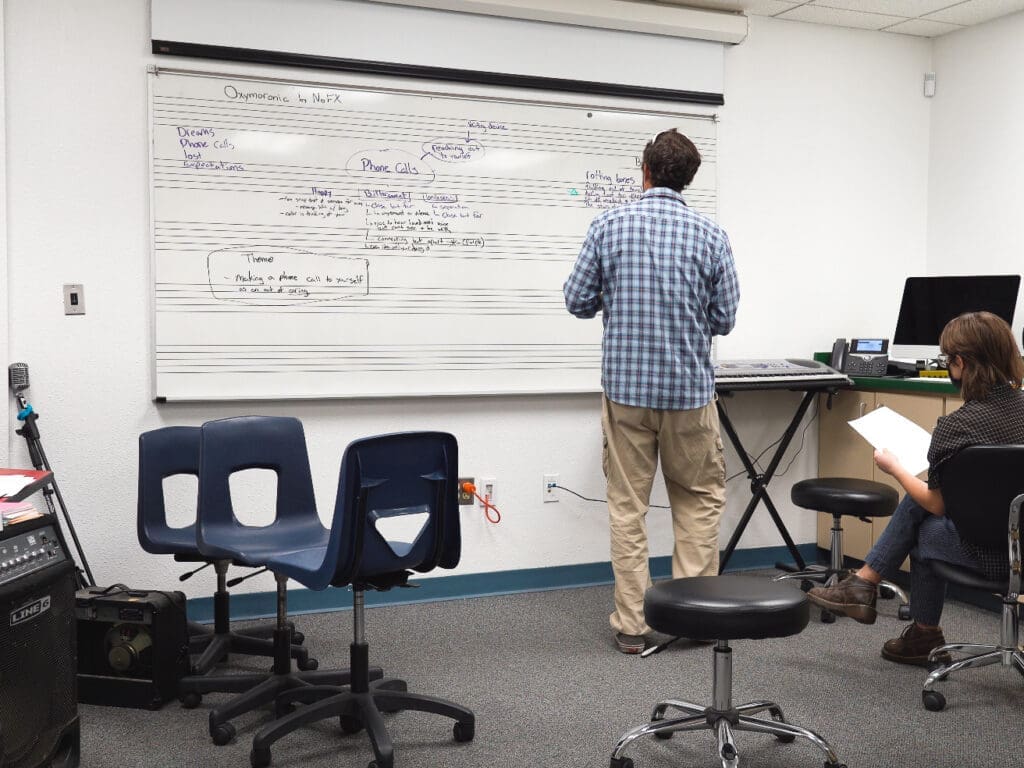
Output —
<point x="861" y="357"/>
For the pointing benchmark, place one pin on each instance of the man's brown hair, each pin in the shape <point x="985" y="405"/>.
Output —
<point x="671" y="160"/>
<point x="986" y="345"/>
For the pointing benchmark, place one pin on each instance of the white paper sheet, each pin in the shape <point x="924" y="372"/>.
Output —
<point x="887" y="430"/>
<point x="11" y="484"/>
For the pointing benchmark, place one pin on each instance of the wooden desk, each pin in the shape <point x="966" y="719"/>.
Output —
<point x="844" y="453"/>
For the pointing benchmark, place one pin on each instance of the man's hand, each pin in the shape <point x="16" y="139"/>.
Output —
<point x="887" y="462"/>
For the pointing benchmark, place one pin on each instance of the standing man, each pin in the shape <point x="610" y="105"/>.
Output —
<point x="664" y="279"/>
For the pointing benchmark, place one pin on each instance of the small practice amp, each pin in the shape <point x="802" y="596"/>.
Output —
<point x="132" y="646"/>
<point x="38" y="706"/>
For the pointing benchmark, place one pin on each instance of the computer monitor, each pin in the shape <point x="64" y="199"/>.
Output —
<point x="931" y="302"/>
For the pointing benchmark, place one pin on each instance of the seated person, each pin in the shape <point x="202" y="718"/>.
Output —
<point x="985" y="364"/>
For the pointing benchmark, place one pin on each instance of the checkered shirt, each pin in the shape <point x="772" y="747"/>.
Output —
<point x="664" y="279"/>
<point x="996" y="420"/>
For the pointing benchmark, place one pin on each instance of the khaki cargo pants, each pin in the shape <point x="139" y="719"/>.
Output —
<point x="692" y="461"/>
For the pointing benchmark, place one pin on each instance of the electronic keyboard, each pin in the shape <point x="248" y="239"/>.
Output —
<point x="731" y="375"/>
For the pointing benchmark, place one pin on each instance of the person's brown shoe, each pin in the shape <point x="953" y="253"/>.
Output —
<point x="914" y="645"/>
<point x="630" y="643"/>
<point x="853" y="597"/>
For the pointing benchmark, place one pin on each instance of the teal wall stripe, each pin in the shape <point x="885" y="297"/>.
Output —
<point x="262" y="604"/>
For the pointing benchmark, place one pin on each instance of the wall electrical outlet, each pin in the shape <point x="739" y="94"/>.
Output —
<point x="465" y="497"/>
<point x="550" y="492"/>
<point x="485" y="489"/>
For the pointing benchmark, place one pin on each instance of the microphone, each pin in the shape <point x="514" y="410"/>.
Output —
<point x="17" y="377"/>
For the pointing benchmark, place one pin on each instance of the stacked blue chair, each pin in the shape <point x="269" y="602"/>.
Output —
<point x="164" y="453"/>
<point x="384" y="479"/>
<point x="232" y="445"/>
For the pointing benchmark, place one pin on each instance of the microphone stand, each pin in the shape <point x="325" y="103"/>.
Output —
<point x="38" y="457"/>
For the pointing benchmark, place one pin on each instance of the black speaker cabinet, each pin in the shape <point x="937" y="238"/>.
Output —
<point x="132" y="646"/>
<point x="38" y="706"/>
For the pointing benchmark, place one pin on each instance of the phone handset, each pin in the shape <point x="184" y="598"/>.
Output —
<point x="839" y="351"/>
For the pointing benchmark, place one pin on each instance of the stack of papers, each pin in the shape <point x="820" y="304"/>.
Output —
<point x="887" y="430"/>
<point x="14" y="512"/>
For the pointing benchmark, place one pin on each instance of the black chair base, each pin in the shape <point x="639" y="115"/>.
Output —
<point x="213" y="647"/>
<point x="256" y="691"/>
<point x="357" y="711"/>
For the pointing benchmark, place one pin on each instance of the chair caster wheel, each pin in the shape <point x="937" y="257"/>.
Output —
<point x="298" y="638"/>
<point x="190" y="700"/>
<point x="307" y="665"/>
<point x="259" y="757"/>
<point x="222" y="733"/>
<point x="904" y="612"/>
<point x="786" y="738"/>
<point x="933" y="701"/>
<point x="350" y="724"/>
<point x="621" y="762"/>
<point x="886" y="593"/>
<point x="463" y="731"/>
<point x="828" y="617"/>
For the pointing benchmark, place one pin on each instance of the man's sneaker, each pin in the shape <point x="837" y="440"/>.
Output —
<point x="853" y="597"/>
<point x="914" y="645"/>
<point x="629" y="643"/>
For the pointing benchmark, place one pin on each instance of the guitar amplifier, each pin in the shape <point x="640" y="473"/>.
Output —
<point x="132" y="646"/>
<point x="38" y="707"/>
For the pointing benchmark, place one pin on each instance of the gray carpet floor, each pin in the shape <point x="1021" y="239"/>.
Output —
<point x="548" y="688"/>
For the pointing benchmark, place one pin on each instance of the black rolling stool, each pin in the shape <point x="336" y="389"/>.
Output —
<point x="723" y="608"/>
<point x="839" y="496"/>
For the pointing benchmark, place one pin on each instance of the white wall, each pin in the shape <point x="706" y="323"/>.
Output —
<point x="823" y="147"/>
<point x="977" y="156"/>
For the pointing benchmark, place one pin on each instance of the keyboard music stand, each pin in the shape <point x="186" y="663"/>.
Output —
<point x="759" y="480"/>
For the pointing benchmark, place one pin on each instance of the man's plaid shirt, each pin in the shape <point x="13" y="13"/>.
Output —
<point x="664" y="278"/>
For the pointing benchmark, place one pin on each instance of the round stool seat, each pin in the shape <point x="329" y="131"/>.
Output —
<point x="845" y="496"/>
<point x="729" y="607"/>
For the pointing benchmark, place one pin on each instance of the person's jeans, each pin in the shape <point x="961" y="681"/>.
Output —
<point x="915" y="531"/>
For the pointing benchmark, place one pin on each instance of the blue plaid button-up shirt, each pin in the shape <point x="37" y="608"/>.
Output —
<point x="664" y="278"/>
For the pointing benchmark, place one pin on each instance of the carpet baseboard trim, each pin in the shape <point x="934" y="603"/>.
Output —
<point x="255" y="605"/>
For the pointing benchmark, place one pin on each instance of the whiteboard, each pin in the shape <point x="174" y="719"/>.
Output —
<point x="315" y="241"/>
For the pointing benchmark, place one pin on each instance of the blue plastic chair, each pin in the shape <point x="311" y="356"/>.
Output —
<point x="405" y="477"/>
<point x="173" y="451"/>
<point x="228" y="446"/>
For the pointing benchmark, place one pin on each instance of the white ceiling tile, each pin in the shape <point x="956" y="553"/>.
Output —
<point x="908" y="8"/>
<point x="923" y="28"/>
<point x="839" y="18"/>
<point x="977" y="11"/>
